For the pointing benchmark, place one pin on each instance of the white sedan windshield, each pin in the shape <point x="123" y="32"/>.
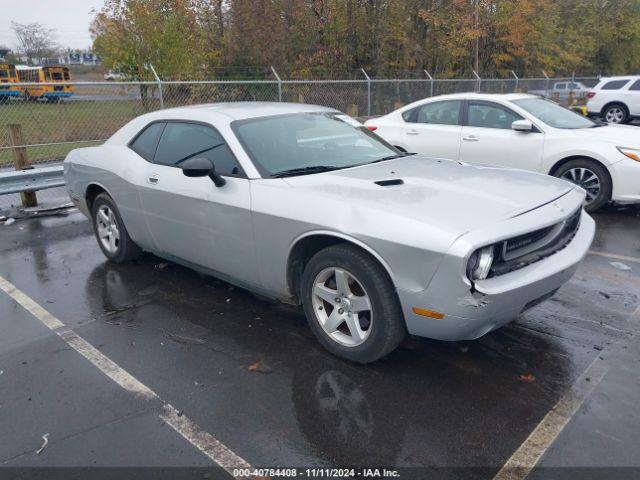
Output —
<point x="309" y="141"/>
<point x="553" y="114"/>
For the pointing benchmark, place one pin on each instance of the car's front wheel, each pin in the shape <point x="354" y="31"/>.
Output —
<point x="351" y="304"/>
<point x="615" y="113"/>
<point x="591" y="176"/>
<point x="112" y="236"/>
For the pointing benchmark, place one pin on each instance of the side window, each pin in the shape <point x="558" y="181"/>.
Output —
<point x="181" y="141"/>
<point x="614" y="85"/>
<point x="439" y="113"/>
<point x="561" y="86"/>
<point x="406" y="116"/>
<point x="146" y="142"/>
<point x="635" y="86"/>
<point x="490" y="115"/>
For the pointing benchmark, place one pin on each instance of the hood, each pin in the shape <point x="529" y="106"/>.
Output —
<point x="447" y="194"/>
<point x="620" y="135"/>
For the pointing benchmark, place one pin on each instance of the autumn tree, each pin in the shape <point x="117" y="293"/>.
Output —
<point x="320" y="38"/>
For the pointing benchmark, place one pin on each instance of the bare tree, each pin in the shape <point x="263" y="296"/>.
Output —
<point x="35" y="41"/>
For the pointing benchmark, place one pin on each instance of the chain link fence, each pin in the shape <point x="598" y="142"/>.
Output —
<point x="48" y="128"/>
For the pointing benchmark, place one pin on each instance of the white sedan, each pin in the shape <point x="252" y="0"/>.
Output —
<point x="522" y="131"/>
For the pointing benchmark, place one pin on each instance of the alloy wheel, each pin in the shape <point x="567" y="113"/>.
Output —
<point x="342" y="306"/>
<point x="107" y="228"/>
<point x="586" y="179"/>
<point x="614" y="115"/>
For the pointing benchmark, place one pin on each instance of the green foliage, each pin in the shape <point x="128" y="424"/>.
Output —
<point x="302" y="38"/>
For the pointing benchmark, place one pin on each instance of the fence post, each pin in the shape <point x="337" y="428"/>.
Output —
<point x="21" y="161"/>
<point x="153" y="70"/>
<point x="517" y="80"/>
<point x="431" y="82"/>
<point x="479" y="80"/>
<point x="368" y="92"/>
<point x="546" y="92"/>
<point x="279" y="83"/>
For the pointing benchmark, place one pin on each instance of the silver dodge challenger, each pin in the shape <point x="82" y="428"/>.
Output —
<point x="302" y="204"/>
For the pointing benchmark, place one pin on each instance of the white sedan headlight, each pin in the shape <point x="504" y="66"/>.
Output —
<point x="480" y="263"/>
<point x="632" y="153"/>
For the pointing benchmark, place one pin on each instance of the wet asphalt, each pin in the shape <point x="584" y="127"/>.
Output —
<point x="193" y="340"/>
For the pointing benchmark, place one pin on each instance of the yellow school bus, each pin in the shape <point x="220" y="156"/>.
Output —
<point x="8" y="76"/>
<point x="48" y="75"/>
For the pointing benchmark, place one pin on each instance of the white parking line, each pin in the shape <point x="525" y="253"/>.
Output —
<point x="200" y="439"/>
<point x="615" y="256"/>
<point x="525" y="458"/>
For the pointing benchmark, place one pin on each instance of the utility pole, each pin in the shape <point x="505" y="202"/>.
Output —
<point x="476" y="24"/>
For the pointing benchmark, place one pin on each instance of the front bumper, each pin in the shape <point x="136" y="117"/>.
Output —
<point x="625" y="176"/>
<point x="497" y="300"/>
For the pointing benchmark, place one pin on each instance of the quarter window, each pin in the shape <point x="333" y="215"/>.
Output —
<point x="614" y="85"/>
<point x="181" y="141"/>
<point x="490" y="115"/>
<point x="635" y="86"/>
<point x="438" y="113"/>
<point x="146" y="142"/>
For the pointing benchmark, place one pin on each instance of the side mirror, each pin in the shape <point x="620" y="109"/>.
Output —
<point x="202" y="167"/>
<point x="522" y="126"/>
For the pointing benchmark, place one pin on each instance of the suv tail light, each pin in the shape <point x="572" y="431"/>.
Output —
<point x="372" y="128"/>
<point x="591" y="94"/>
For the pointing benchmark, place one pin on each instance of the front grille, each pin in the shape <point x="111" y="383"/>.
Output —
<point x="518" y="243"/>
<point x="523" y="250"/>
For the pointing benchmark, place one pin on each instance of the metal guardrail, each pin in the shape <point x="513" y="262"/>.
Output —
<point x="31" y="180"/>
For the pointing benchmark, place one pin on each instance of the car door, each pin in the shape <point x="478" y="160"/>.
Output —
<point x="487" y="138"/>
<point x="434" y="129"/>
<point x="191" y="219"/>
<point x="632" y="97"/>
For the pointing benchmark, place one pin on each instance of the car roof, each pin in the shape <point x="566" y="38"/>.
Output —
<point x="473" y="95"/>
<point x="620" y="77"/>
<point x="244" y="110"/>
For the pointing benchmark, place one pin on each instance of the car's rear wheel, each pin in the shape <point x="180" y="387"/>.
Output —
<point x="351" y="304"/>
<point x="112" y="236"/>
<point x="615" y="113"/>
<point x="591" y="176"/>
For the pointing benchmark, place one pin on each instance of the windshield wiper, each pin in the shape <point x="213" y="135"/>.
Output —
<point x="305" y="171"/>
<point x="393" y="157"/>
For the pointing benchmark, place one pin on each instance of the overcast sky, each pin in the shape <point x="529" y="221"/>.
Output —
<point x="70" y="18"/>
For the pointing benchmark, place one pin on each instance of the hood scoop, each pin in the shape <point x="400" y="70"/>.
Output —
<point x="389" y="183"/>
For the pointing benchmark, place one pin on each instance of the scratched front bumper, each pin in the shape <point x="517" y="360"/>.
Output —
<point x="497" y="300"/>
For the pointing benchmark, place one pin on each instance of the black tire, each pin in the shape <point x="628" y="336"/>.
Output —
<point x="616" y="106"/>
<point x="604" y="195"/>
<point x="126" y="248"/>
<point x="387" y="328"/>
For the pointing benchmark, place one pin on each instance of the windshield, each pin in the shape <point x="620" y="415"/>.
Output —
<point x="553" y="114"/>
<point x="311" y="141"/>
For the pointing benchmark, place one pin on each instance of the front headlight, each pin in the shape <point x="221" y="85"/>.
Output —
<point x="479" y="264"/>
<point x="632" y="153"/>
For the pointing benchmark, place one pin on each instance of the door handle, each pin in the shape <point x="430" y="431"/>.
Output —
<point x="153" y="180"/>
<point x="470" y="138"/>
<point x="413" y="132"/>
